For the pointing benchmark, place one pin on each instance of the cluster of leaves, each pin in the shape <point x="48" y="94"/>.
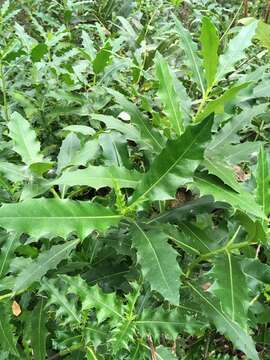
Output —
<point x="135" y="181"/>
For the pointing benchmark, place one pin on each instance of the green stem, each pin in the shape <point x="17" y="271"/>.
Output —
<point x="233" y="20"/>
<point x="228" y="247"/>
<point x="203" y="102"/>
<point x="91" y="352"/>
<point x="2" y="297"/>
<point x="54" y="193"/>
<point x="66" y="351"/>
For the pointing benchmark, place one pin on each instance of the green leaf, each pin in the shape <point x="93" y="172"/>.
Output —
<point x="102" y="58"/>
<point x="224" y="172"/>
<point x="254" y="269"/>
<point x="100" y="176"/>
<point x="65" y="308"/>
<point x="40" y="168"/>
<point x="190" y="48"/>
<point x="168" y="94"/>
<point x="112" y="123"/>
<point x="175" y="165"/>
<point x="114" y="150"/>
<point x="230" y="287"/>
<point x="88" y="45"/>
<point x="205" y="204"/>
<point x="88" y="151"/>
<point x="42" y="217"/>
<point x="263" y="181"/>
<point x="38" y="52"/>
<point x="224" y="324"/>
<point x="122" y="335"/>
<point x="263" y="34"/>
<point x="24" y="139"/>
<point x="46" y="261"/>
<point x="69" y="148"/>
<point x="217" y="105"/>
<point x="253" y="227"/>
<point x="261" y="90"/>
<point x="209" y="43"/>
<point x="6" y="330"/>
<point x="180" y="240"/>
<point x="151" y="136"/>
<point x="158" y="261"/>
<point x="80" y="129"/>
<point x="236" y="49"/>
<point x="185" y="100"/>
<point x="208" y="184"/>
<point x="7" y="251"/>
<point x="39" y="331"/>
<point x="164" y="353"/>
<point x="200" y="241"/>
<point x="235" y="154"/>
<point x="159" y="321"/>
<point x="29" y="104"/>
<point x="92" y="297"/>
<point x="13" y="172"/>
<point x="228" y="134"/>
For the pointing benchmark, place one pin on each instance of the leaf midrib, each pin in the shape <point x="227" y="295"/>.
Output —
<point x="173" y="165"/>
<point x="155" y="254"/>
<point x="218" y="311"/>
<point x="40" y="266"/>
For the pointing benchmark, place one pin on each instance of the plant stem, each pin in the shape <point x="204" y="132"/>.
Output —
<point x="245" y="8"/>
<point x="152" y="348"/>
<point x="267" y="12"/>
<point x="203" y="102"/>
<point x="54" y="193"/>
<point x="230" y="246"/>
<point x="67" y="351"/>
<point x="2" y="297"/>
<point x="4" y="90"/>
<point x="233" y="20"/>
<point x="91" y="352"/>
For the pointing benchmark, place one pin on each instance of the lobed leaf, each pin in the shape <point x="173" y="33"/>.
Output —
<point x="236" y="49"/>
<point x="229" y="133"/>
<point x="175" y="165"/>
<point x="39" y="331"/>
<point x="230" y="287"/>
<point x="43" y="217"/>
<point x="243" y="200"/>
<point x="7" y="251"/>
<point x="193" y="61"/>
<point x="46" y="261"/>
<point x="158" y="261"/>
<point x="65" y="308"/>
<point x="24" y="139"/>
<point x="8" y="340"/>
<point x="159" y="322"/>
<point x="92" y="297"/>
<point x="100" y="176"/>
<point x="150" y="135"/>
<point x="240" y="338"/>
<point x="168" y="94"/>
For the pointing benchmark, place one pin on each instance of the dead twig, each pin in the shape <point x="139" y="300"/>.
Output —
<point x="152" y="348"/>
<point x="245" y="8"/>
<point x="267" y="12"/>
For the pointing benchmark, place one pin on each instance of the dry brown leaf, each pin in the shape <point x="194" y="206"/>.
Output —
<point x="16" y="309"/>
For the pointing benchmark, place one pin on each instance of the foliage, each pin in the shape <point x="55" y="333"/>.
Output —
<point x="135" y="181"/>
